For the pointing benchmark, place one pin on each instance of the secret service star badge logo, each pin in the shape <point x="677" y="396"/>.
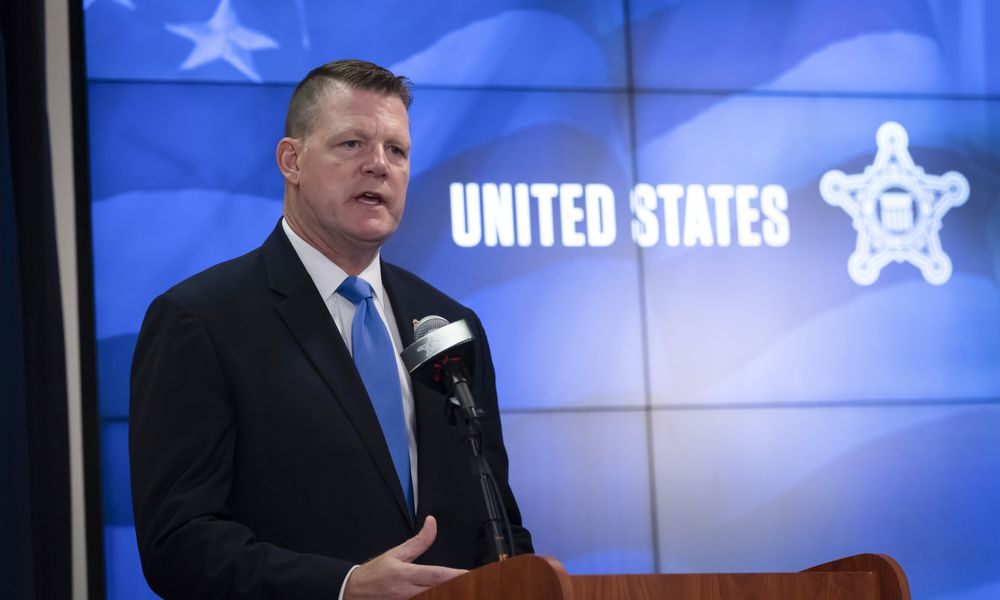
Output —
<point x="896" y="209"/>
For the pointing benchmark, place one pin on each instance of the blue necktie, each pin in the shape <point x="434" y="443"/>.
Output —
<point x="376" y="362"/>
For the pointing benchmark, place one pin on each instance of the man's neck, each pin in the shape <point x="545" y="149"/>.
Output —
<point x="352" y="264"/>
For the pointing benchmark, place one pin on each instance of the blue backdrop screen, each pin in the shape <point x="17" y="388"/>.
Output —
<point x="739" y="261"/>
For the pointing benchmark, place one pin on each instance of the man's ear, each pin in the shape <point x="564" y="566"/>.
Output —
<point x="288" y="159"/>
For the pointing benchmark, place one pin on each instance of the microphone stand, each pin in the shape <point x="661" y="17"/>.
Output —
<point x="464" y="413"/>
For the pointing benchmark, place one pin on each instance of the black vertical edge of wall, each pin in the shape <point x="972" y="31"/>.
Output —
<point x="17" y="551"/>
<point x="89" y="414"/>
<point x="42" y="351"/>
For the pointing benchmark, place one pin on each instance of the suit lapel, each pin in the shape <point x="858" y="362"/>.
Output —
<point x="306" y="315"/>
<point x="408" y="305"/>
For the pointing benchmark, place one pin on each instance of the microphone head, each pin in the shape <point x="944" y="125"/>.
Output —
<point x="428" y="324"/>
<point x="436" y="339"/>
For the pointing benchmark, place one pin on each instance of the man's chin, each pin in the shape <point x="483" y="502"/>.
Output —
<point x="378" y="229"/>
<point x="374" y="236"/>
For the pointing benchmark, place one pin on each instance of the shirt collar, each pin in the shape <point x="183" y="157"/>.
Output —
<point x="326" y="274"/>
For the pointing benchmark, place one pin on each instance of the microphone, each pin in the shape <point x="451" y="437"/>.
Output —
<point x="438" y="357"/>
<point x="436" y="341"/>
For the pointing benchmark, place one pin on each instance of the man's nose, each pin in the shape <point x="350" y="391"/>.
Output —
<point x="377" y="162"/>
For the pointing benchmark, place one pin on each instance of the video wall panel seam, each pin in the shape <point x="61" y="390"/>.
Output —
<point x="628" y="89"/>
<point x="825" y="404"/>
<point x="654" y="503"/>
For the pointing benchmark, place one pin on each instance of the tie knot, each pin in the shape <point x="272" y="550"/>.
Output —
<point x="355" y="289"/>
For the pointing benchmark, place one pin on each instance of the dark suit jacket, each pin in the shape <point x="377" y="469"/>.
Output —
<point x="258" y="465"/>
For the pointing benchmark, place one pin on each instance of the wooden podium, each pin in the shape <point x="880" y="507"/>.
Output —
<point x="532" y="577"/>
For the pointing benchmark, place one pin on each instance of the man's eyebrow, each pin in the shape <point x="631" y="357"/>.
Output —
<point x="362" y="133"/>
<point x="352" y="132"/>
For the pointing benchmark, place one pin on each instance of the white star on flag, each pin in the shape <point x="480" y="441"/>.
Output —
<point x="126" y="3"/>
<point x="223" y="37"/>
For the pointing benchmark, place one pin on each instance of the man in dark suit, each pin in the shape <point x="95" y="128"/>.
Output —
<point x="266" y="461"/>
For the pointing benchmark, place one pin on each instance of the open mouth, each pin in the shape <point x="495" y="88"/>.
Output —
<point x="371" y="198"/>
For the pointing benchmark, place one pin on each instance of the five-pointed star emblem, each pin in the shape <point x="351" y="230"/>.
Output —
<point x="896" y="209"/>
<point x="222" y="37"/>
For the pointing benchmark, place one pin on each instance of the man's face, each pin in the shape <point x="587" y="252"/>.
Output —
<point x="353" y="169"/>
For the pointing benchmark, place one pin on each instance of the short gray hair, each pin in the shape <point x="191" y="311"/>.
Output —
<point x="355" y="74"/>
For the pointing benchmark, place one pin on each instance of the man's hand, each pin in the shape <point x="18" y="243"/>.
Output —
<point x="393" y="575"/>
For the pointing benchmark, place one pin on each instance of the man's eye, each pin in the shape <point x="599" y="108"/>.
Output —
<point x="352" y="143"/>
<point x="397" y="151"/>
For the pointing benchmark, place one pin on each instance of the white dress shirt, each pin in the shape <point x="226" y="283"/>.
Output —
<point x="327" y="276"/>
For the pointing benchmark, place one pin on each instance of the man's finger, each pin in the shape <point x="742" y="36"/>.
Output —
<point x="412" y="548"/>
<point x="429" y="576"/>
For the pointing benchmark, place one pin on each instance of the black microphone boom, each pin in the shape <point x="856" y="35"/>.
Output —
<point x="438" y="357"/>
